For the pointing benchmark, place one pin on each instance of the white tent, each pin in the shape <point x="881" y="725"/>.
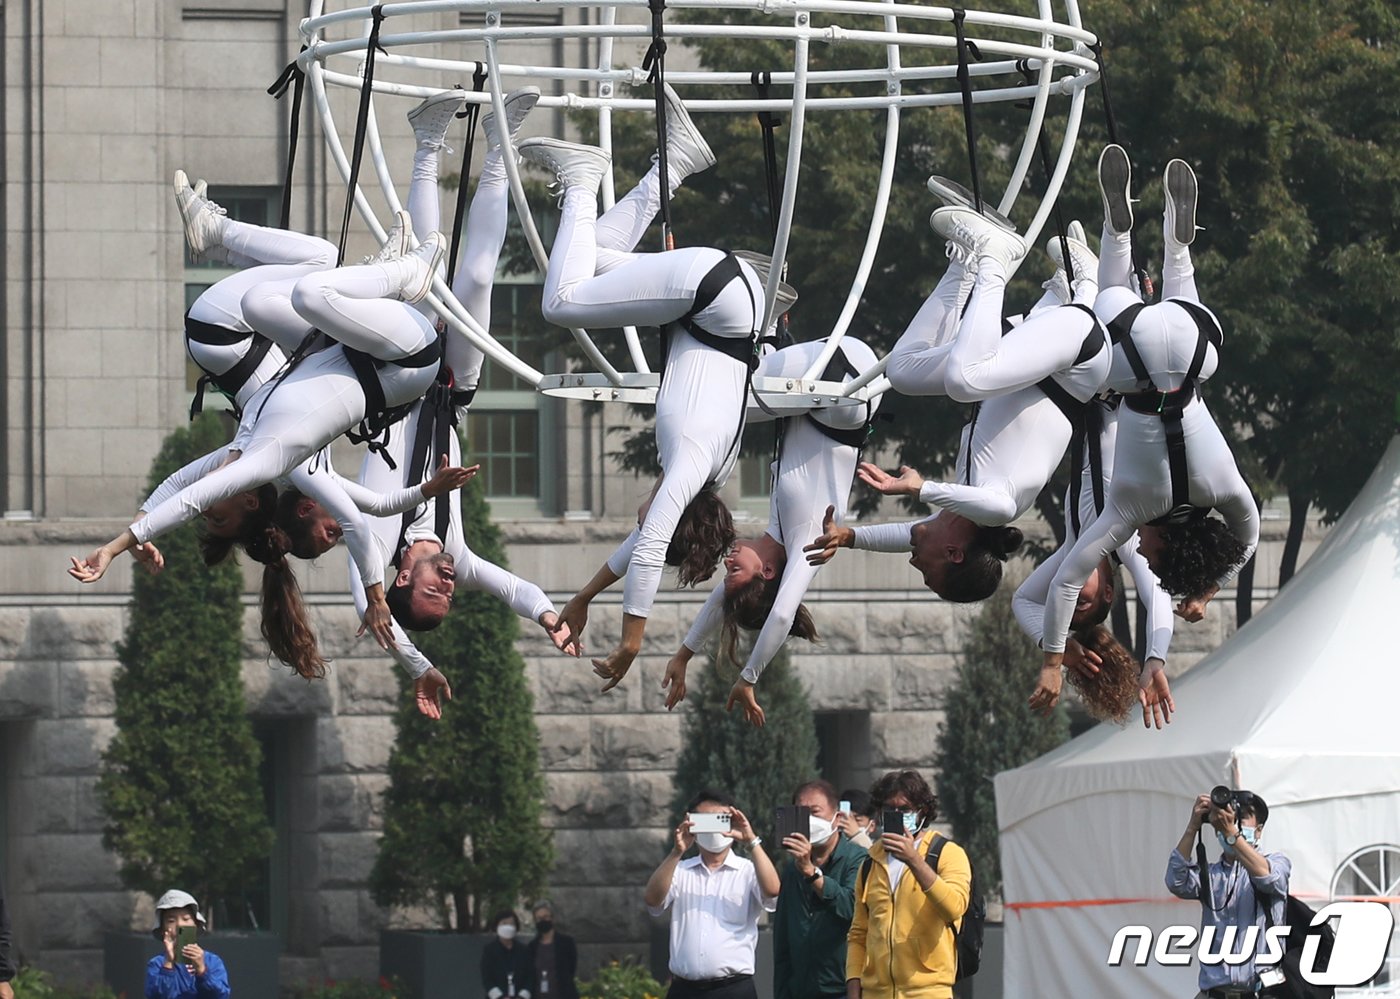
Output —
<point x="1302" y="706"/>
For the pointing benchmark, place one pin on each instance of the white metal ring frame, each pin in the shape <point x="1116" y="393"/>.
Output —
<point x="1057" y="52"/>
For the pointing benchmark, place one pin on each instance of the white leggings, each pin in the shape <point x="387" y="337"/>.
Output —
<point x="980" y="363"/>
<point x="349" y="306"/>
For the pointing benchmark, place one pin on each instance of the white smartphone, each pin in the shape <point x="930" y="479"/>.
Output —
<point x="709" y="822"/>
<point x="845" y="807"/>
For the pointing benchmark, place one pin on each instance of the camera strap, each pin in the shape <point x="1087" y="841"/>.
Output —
<point x="1204" y="870"/>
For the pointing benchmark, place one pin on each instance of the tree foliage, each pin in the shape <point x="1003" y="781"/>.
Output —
<point x="988" y="728"/>
<point x="1286" y="111"/>
<point x="759" y="768"/>
<point x="463" y="808"/>
<point x="179" y="782"/>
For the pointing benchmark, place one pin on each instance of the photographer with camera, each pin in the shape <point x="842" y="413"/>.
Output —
<point x="715" y="900"/>
<point x="1245" y="887"/>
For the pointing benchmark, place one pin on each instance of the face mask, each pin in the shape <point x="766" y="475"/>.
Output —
<point x="1250" y="835"/>
<point x="544" y="925"/>
<point x="713" y="842"/>
<point x="821" y="831"/>
<point x="506" y="931"/>
<point x="911" y="822"/>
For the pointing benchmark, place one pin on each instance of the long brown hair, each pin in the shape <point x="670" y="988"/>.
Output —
<point x="285" y="624"/>
<point x="748" y="607"/>
<point x="1109" y="694"/>
<point x="703" y="534"/>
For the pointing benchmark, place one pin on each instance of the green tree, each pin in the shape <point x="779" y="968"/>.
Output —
<point x="759" y="768"/>
<point x="462" y="812"/>
<point x="987" y="728"/>
<point x="179" y="781"/>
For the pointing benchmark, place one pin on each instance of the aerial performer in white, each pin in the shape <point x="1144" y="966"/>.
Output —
<point x="1171" y="465"/>
<point x="1031" y="386"/>
<point x="376" y="356"/>
<point x="709" y="304"/>
<point x="766" y="577"/>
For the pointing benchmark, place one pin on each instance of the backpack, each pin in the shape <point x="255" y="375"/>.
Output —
<point x="968" y="940"/>
<point x="1299" y="916"/>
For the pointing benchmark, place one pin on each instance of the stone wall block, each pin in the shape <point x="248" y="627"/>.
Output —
<point x="69" y="633"/>
<point x="85" y="866"/>
<point x="354" y="744"/>
<point x="365" y="688"/>
<point x="607" y="857"/>
<point x="561" y="685"/>
<point x="921" y="682"/>
<point x="844" y="683"/>
<point x="346" y="803"/>
<point x="564" y="742"/>
<point x="28" y="689"/>
<point x="72" y="746"/>
<point x="272" y="690"/>
<point x="633" y="742"/>
<point x="609" y="800"/>
<point x="85" y="689"/>
<point x="604" y="915"/>
<point x="346" y="858"/>
<point x="904" y="739"/>
<point x="50" y="804"/>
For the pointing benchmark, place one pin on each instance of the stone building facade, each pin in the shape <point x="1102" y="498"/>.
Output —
<point x="103" y="100"/>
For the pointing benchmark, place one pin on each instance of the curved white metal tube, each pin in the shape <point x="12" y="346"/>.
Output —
<point x="794" y="164"/>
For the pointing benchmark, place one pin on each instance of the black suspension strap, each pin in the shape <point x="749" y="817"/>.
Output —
<point x="1043" y="147"/>
<point x="1111" y="123"/>
<point x="431" y="439"/>
<point x="655" y="64"/>
<point x="295" y="77"/>
<point x="472" y="113"/>
<point x="361" y="127"/>
<point x="965" y="48"/>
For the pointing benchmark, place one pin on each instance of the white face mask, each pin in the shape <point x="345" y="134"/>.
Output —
<point x="821" y="830"/>
<point x="713" y="842"/>
<point x="911" y="823"/>
<point x="506" y="931"/>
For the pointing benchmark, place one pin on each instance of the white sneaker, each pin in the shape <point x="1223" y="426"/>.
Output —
<point x="1058" y="285"/>
<point x="1115" y="182"/>
<point x="762" y="265"/>
<point x="954" y="195"/>
<point x="572" y="164"/>
<point x="518" y="104"/>
<point x="1083" y="261"/>
<point x="978" y="236"/>
<point x="204" y="220"/>
<point x="396" y="243"/>
<point x="416" y="270"/>
<point x="432" y="118"/>
<point x="1179" y="216"/>
<point x="687" y="152"/>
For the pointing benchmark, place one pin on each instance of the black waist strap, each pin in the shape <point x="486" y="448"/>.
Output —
<point x="231" y="381"/>
<point x="714" y="282"/>
<point x="373" y="430"/>
<point x="837" y="369"/>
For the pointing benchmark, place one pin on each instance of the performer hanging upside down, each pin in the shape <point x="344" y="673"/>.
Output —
<point x="1031" y="386"/>
<point x="1171" y="465"/>
<point x="765" y="577"/>
<point x="709" y="304"/>
<point x="384" y="356"/>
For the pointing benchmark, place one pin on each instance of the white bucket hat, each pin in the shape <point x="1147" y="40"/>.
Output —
<point x="177" y="899"/>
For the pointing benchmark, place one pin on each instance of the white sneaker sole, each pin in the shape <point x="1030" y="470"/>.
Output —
<point x="1115" y="178"/>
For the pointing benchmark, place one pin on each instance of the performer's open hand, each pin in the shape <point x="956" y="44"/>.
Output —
<point x="571" y="621"/>
<point x="1084" y="662"/>
<point x="1193" y="609"/>
<point x="92" y="568"/>
<point x="559" y="634"/>
<point x="834" y="536"/>
<point x="615" y="666"/>
<point x="149" y="556"/>
<point x="447" y="478"/>
<point x="379" y="623"/>
<point x="907" y="483"/>
<point x="674" y="680"/>
<point x="1155" y="695"/>
<point x="429" y="691"/>
<point x="743" y="696"/>
<point x="1047" y="692"/>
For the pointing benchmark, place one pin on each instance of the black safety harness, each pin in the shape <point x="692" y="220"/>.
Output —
<point x="836" y="370"/>
<point x="373" y="430"/>
<point x="232" y="380"/>
<point x="432" y="437"/>
<point x="1168" y="406"/>
<point x="1074" y="411"/>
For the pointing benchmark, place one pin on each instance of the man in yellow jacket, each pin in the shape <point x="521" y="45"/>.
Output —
<point x="902" y="943"/>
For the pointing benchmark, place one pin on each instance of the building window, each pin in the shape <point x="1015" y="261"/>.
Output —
<point x="506" y="445"/>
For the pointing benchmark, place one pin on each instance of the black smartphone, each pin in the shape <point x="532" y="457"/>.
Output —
<point x="185" y="936"/>
<point x="892" y="821"/>
<point x="791" y="820"/>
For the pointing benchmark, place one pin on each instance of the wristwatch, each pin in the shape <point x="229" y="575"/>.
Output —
<point x="816" y="873"/>
<point x="755" y="843"/>
<point x="1232" y="839"/>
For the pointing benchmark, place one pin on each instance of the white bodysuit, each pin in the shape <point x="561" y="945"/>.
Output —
<point x="813" y="473"/>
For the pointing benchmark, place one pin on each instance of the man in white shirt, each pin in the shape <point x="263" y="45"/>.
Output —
<point x="715" y="900"/>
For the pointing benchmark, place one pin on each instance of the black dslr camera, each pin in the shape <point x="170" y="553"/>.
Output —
<point x="1223" y="797"/>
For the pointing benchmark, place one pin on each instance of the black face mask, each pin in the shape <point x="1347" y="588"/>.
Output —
<point x="544" y="925"/>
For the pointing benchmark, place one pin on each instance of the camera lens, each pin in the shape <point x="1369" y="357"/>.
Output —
<point x="1220" y="796"/>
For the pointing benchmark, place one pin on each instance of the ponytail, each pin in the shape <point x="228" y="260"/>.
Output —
<point x="284" y="622"/>
<point x="978" y="575"/>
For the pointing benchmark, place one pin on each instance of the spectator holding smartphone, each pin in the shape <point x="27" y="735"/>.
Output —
<point x="7" y="962"/>
<point x="186" y="970"/>
<point x="816" y="902"/>
<point x="856" y="821"/>
<point x="715" y="900"/>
